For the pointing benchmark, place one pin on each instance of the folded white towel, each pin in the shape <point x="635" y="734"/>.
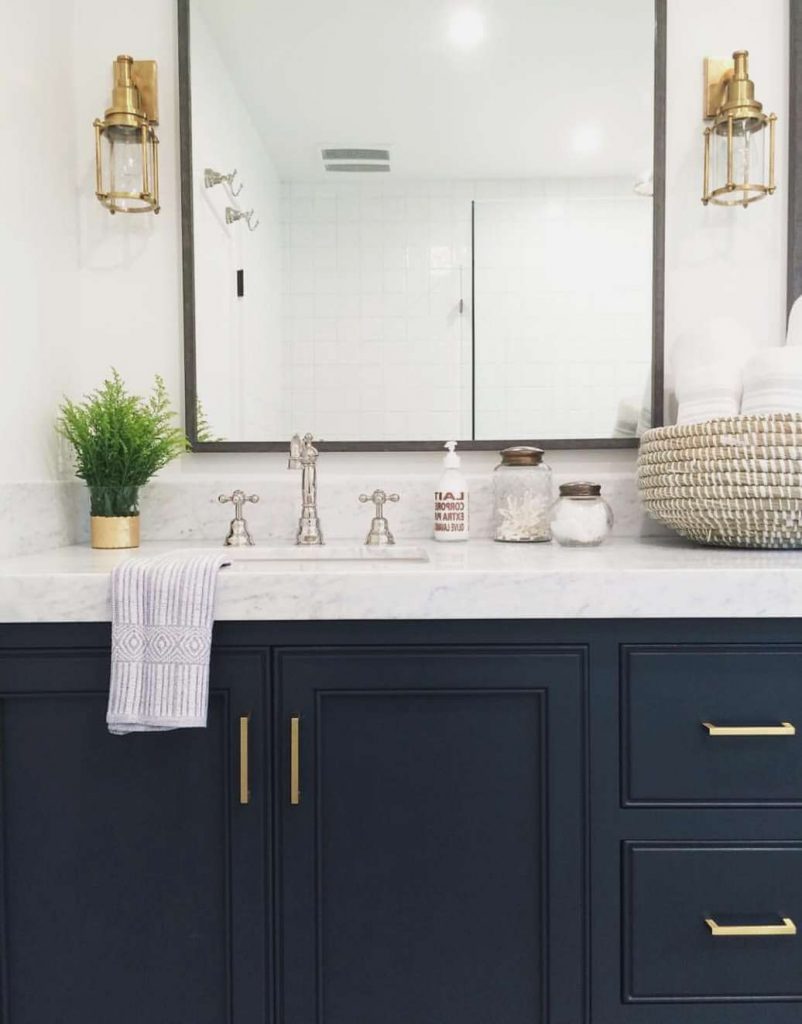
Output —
<point x="162" y="618"/>
<point x="707" y="392"/>
<point x="773" y="382"/>
<point x="794" y="334"/>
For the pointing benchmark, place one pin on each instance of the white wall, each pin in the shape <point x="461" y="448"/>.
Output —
<point x="38" y="235"/>
<point x="724" y="260"/>
<point x="128" y="268"/>
<point x="109" y="289"/>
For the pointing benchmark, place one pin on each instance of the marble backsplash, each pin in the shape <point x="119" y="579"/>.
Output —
<point x="36" y="516"/>
<point x="183" y="505"/>
<point x="189" y="510"/>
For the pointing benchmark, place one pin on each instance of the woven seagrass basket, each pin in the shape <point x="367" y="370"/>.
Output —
<point x="734" y="482"/>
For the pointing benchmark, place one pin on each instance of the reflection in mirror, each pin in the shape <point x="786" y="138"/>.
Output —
<point x="563" y="311"/>
<point x="421" y="221"/>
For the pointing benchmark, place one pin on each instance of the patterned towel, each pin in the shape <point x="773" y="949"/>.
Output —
<point x="161" y="638"/>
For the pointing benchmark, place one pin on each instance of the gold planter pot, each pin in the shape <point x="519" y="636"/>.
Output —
<point x="115" y="531"/>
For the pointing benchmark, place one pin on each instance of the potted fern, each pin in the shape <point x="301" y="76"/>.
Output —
<point x="119" y="441"/>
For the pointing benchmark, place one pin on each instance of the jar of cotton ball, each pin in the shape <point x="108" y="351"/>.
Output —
<point x="580" y="516"/>
<point x="522" y="496"/>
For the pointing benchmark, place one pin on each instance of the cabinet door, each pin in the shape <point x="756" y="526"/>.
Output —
<point x="131" y="887"/>
<point x="432" y="850"/>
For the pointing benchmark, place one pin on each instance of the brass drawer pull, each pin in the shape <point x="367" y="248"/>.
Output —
<point x="783" y="729"/>
<point x="759" y="930"/>
<point x="295" y="761"/>
<point x="244" y="780"/>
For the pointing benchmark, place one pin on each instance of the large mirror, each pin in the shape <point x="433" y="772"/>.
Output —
<point x="411" y="222"/>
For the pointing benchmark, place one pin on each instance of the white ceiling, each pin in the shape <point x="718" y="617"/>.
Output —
<point x="554" y="87"/>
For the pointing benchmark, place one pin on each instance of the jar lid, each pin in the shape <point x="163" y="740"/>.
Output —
<point x="580" y="489"/>
<point x="522" y="455"/>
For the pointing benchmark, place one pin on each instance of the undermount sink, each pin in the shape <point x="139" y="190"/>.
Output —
<point x="241" y="557"/>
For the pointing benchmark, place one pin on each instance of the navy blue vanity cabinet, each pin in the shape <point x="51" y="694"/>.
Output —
<point x="697" y="830"/>
<point x="431" y="812"/>
<point x="132" y="886"/>
<point x="433" y="823"/>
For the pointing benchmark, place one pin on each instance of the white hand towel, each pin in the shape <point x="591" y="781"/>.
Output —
<point x="794" y="334"/>
<point x="708" y="392"/>
<point x="162" y="618"/>
<point x="773" y="382"/>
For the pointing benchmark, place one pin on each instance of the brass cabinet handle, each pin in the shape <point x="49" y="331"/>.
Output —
<point x="783" y="729"/>
<point x="295" y="760"/>
<point x="244" y="780"/>
<point x="759" y="930"/>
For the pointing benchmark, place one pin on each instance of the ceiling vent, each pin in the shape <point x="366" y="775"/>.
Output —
<point x="356" y="160"/>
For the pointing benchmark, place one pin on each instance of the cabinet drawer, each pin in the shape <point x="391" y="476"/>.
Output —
<point x="688" y="715"/>
<point x="676" y="894"/>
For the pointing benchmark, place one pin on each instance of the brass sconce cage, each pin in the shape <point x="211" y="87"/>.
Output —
<point x="736" y="170"/>
<point x="126" y="145"/>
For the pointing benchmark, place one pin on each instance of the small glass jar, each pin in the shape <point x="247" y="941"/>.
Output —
<point x="580" y="516"/>
<point x="522" y="496"/>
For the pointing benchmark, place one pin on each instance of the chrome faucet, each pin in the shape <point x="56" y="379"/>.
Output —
<point x="303" y="456"/>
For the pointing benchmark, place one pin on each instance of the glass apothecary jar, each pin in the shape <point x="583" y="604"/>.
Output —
<point x="522" y="496"/>
<point x="580" y="516"/>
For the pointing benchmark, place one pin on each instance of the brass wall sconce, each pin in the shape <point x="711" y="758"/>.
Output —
<point x="126" y="145"/>
<point x="736" y="170"/>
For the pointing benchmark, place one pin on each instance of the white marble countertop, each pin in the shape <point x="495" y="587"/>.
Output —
<point x="624" y="578"/>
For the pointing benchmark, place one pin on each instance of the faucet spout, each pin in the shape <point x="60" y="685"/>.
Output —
<point x="303" y="455"/>
<point x="294" y="461"/>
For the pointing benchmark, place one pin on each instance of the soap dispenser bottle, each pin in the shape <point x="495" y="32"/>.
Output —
<point x="451" y="500"/>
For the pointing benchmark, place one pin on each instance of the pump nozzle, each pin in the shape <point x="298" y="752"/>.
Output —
<point x="452" y="460"/>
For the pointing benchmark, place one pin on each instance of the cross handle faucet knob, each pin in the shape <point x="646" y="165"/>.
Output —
<point x="238" y="535"/>
<point x="238" y="499"/>
<point x="379" y="527"/>
<point x="379" y="498"/>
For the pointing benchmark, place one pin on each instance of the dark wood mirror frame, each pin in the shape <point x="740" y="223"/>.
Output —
<point x="658" y="273"/>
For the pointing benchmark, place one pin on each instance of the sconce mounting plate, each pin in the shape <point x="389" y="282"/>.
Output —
<point x="717" y="71"/>
<point x="145" y="77"/>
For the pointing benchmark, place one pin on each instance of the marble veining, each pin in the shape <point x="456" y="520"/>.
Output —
<point x="624" y="578"/>
<point x="187" y="508"/>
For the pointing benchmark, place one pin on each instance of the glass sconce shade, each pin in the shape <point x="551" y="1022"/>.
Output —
<point x="127" y="169"/>
<point x="740" y="141"/>
<point x="126" y="145"/>
<point x="735" y="161"/>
